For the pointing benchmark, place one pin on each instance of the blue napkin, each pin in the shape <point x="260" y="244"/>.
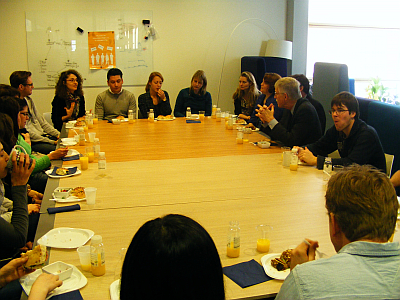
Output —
<point x="71" y="171"/>
<point x="193" y="121"/>
<point x="74" y="295"/>
<point x="73" y="157"/>
<point x="247" y="273"/>
<point x="54" y="210"/>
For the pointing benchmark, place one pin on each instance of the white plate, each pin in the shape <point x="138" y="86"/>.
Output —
<point x="70" y="124"/>
<point x="72" y="152"/>
<point x="75" y="282"/>
<point x="270" y="270"/>
<point x="165" y="119"/>
<point x="69" y="144"/>
<point x="193" y="117"/>
<point x="69" y="199"/>
<point x="114" y="290"/>
<point x="48" y="172"/>
<point x="66" y="238"/>
<point x="253" y="130"/>
<point x="68" y="141"/>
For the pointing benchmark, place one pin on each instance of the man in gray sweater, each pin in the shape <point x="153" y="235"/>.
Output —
<point x="43" y="135"/>
<point x="115" y="101"/>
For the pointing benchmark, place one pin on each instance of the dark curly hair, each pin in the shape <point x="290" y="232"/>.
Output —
<point x="61" y="88"/>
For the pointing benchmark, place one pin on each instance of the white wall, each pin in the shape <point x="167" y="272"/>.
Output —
<point x="193" y="35"/>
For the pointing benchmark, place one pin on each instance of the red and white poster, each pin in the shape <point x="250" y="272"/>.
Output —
<point x="101" y="49"/>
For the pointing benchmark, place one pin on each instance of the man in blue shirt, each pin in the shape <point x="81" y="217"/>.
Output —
<point x="362" y="208"/>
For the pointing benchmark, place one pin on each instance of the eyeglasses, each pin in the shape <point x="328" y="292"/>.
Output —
<point x="25" y="114"/>
<point x="73" y="80"/>
<point x="279" y="93"/>
<point x="30" y="84"/>
<point x="338" y="111"/>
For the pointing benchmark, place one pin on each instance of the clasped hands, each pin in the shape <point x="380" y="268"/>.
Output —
<point x="265" y="113"/>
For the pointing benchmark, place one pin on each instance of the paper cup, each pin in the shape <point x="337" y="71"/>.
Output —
<point x="287" y="155"/>
<point x="92" y="135"/>
<point x="84" y="257"/>
<point x="90" y="194"/>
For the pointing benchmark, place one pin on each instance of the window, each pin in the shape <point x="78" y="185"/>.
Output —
<point x="364" y="35"/>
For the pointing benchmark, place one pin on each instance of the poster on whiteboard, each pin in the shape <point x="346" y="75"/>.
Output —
<point x="58" y="41"/>
<point x="101" y="50"/>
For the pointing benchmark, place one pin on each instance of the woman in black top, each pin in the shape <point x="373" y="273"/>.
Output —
<point x="68" y="103"/>
<point x="155" y="98"/>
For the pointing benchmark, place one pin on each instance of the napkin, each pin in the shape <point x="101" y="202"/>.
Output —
<point x="54" y="210"/>
<point x="193" y="121"/>
<point x="246" y="274"/>
<point x="74" y="295"/>
<point x="73" y="157"/>
<point x="71" y="171"/>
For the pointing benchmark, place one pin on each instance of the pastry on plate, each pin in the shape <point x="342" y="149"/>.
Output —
<point x="283" y="262"/>
<point x="78" y="192"/>
<point x="62" y="171"/>
<point x="240" y="121"/>
<point x="80" y="123"/>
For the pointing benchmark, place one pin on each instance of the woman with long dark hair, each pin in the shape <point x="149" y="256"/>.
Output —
<point x="68" y="103"/>
<point x="172" y="257"/>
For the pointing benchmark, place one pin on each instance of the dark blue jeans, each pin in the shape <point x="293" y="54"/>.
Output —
<point x="44" y="148"/>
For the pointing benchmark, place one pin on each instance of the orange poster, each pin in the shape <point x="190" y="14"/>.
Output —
<point x="101" y="49"/>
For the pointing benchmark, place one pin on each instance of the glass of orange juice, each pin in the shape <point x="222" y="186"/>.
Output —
<point x="233" y="244"/>
<point x="90" y="154"/>
<point x="201" y="115"/>
<point x="263" y="241"/>
<point x="84" y="160"/>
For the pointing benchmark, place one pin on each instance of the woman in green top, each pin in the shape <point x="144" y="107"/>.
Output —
<point x="17" y="110"/>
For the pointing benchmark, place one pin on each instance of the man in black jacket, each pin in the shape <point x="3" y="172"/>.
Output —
<point x="305" y="93"/>
<point x="356" y="141"/>
<point x="299" y="124"/>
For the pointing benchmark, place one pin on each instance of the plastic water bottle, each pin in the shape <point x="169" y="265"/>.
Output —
<point x="97" y="257"/>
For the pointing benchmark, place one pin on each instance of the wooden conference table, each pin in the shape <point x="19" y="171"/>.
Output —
<point x="197" y="170"/>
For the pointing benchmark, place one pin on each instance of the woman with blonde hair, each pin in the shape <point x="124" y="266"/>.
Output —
<point x="68" y="103"/>
<point x="245" y="96"/>
<point x="196" y="97"/>
<point x="155" y="98"/>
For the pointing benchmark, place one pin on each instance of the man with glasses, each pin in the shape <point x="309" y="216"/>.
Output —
<point x="43" y="135"/>
<point x="114" y="102"/>
<point x="356" y="141"/>
<point x="299" y="124"/>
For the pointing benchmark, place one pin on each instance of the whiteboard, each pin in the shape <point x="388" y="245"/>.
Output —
<point x="55" y="45"/>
